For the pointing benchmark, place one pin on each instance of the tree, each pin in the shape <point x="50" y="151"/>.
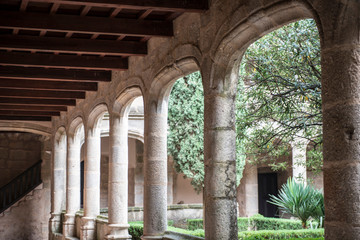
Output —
<point x="279" y="97"/>
<point x="281" y="94"/>
<point x="185" y="128"/>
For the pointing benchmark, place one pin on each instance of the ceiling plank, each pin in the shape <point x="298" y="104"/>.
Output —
<point x="41" y="94"/>
<point x="62" y="61"/>
<point x="55" y="74"/>
<point x="27" y="113"/>
<point x="25" y="118"/>
<point x="35" y="101"/>
<point x="47" y="85"/>
<point x="33" y="107"/>
<point x="71" y="45"/>
<point x="160" y="5"/>
<point x="88" y="25"/>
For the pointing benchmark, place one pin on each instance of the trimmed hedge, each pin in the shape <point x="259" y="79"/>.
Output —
<point x="257" y="222"/>
<point x="197" y="232"/>
<point x="136" y="229"/>
<point x="282" y="234"/>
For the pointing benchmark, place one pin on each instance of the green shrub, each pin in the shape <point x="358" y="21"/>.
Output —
<point x="193" y="224"/>
<point x="265" y="223"/>
<point x="300" y="200"/>
<point x="282" y="234"/>
<point x="243" y="224"/>
<point x="136" y="230"/>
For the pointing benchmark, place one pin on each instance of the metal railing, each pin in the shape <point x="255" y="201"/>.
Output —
<point x="20" y="186"/>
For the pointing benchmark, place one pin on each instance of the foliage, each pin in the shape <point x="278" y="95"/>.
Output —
<point x="281" y="95"/>
<point x="256" y="222"/>
<point x="282" y="234"/>
<point x="136" y="230"/>
<point x="299" y="200"/>
<point x="185" y="128"/>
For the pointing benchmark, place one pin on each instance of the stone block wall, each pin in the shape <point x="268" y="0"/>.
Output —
<point x="18" y="151"/>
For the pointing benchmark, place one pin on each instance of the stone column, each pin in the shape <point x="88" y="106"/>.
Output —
<point x="299" y="160"/>
<point x="340" y="64"/>
<point x="58" y="183"/>
<point x="91" y="183"/>
<point x="72" y="185"/>
<point x="155" y="171"/>
<point x="118" y="178"/>
<point x="248" y="197"/>
<point x="220" y="166"/>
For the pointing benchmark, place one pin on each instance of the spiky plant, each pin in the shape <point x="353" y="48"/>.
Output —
<point x="299" y="200"/>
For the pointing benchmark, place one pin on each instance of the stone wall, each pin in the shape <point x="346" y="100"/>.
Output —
<point x="18" y="151"/>
<point x="28" y="218"/>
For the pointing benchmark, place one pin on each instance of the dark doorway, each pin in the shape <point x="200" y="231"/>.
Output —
<point x="82" y="184"/>
<point x="267" y="184"/>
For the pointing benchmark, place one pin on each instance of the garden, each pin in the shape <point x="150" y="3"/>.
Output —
<point x="301" y="201"/>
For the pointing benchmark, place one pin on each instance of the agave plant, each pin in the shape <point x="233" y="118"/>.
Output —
<point x="300" y="200"/>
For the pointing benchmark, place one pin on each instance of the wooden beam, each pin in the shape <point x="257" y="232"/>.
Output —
<point x="88" y="25"/>
<point x="41" y="94"/>
<point x="35" y="101"/>
<point x="62" y="61"/>
<point x="25" y="118"/>
<point x="71" y="45"/>
<point x="33" y="107"/>
<point x="55" y="74"/>
<point x="47" y="85"/>
<point x="159" y="5"/>
<point x="27" y="113"/>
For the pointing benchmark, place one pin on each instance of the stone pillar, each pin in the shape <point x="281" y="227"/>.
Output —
<point x="299" y="160"/>
<point x="248" y="197"/>
<point x="58" y="184"/>
<point x="340" y="62"/>
<point x="91" y="183"/>
<point x="155" y="171"/>
<point x="118" y="178"/>
<point x="220" y="166"/>
<point x="72" y="185"/>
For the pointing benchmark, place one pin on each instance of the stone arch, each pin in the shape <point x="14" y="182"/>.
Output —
<point x="60" y="135"/>
<point x="95" y="117"/>
<point x="163" y="82"/>
<point x="126" y="97"/>
<point x="25" y="127"/>
<point x="230" y="44"/>
<point x="76" y="129"/>
<point x="136" y="135"/>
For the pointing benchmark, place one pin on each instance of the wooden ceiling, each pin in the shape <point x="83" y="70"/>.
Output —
<point x="53" y="51"/>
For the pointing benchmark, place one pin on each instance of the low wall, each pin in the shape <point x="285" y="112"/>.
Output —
<point x="177" y="213"/>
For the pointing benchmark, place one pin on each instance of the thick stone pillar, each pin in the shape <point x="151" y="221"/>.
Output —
<point x="340" y="64"/>
<point x="155" y="171"/>
<point x="220" y="167"/>
<point x="91" y="183"/>
<point x="299" y="160"/>
<point x="58" y="184"/>
<point x="118" y="178"/>
<point x="72" y="185"/>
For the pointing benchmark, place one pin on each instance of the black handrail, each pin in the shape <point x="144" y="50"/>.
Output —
<point x="20" y="186"/>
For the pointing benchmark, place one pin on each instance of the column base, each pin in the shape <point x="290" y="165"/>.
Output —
<point x="54" y="223"/>
<point x="118" y="232"/>
<point x="88" y="228"/>
<point x="69" y="228"/>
